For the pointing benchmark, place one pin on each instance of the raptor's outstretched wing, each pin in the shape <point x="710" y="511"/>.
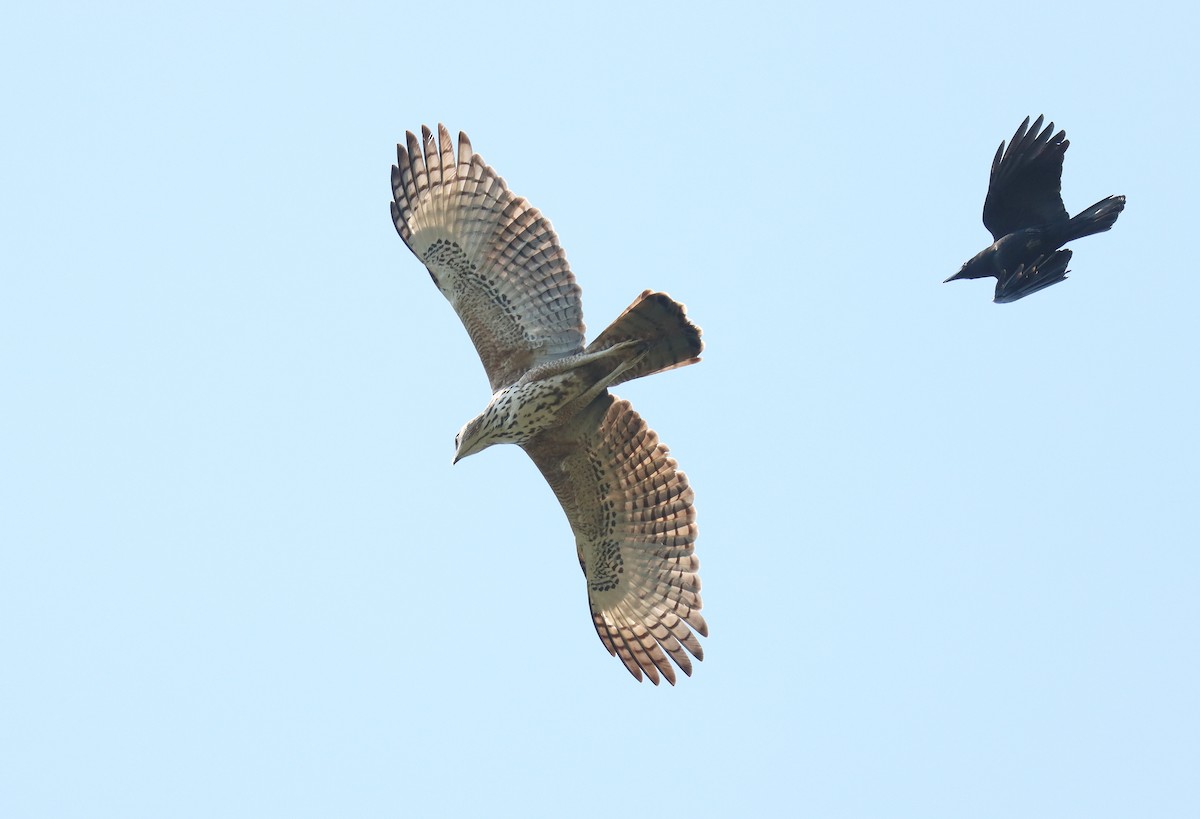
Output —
<point x="1026" y="181"/>
<point x="631" y="511"/>
<point x="492" y="254"/>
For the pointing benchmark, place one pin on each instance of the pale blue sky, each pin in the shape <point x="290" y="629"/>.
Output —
<point x="949" y="548"/>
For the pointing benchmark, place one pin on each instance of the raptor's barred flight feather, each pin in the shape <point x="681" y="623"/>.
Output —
<point x="498" y="262"/>
<point x="1025" y="214"/>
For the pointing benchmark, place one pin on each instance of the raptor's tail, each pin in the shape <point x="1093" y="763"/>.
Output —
<point x="1096" y="219"/>
<point x="659" y="322"/>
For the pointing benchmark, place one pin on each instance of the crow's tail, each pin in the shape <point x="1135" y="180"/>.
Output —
<point x="1096" y="219"/>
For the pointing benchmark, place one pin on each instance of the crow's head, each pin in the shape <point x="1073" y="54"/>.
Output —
<point x="977" y="267"/>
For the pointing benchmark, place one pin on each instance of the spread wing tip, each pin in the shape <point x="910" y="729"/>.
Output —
<point x="644" y="646"/>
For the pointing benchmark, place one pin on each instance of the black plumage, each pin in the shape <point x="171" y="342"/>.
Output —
<point x="1025" y="214"/>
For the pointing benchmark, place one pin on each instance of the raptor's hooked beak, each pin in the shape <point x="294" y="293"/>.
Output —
<point x="459" y="454"/>
<point x="466" y="445"/>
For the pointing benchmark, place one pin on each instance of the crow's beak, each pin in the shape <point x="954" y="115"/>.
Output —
<point x="952" y="278"/>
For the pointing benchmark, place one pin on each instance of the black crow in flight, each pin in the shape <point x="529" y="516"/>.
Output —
<point x="1025" y="214"/>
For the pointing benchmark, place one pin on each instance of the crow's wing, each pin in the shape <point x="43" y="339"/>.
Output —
<point x="493" y="255"/>
<point x="1026" y="181"/>
<point x="1030" y="278"/>
<point x="631" y="511"/>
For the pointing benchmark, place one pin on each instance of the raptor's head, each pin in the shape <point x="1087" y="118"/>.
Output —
<point x="475" y="436"/>
<point x="497" y="424"/>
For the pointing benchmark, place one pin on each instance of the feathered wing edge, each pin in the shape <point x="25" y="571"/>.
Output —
<point x="1028" y="279"/>
<point x="1027" y="145"/>
<point x="494" y="256"/>
<point x="635" y="529"/>
<point x="1020" y="193"/>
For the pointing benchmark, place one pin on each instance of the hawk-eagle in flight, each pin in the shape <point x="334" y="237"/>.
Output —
<point x="498" y="261"/>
